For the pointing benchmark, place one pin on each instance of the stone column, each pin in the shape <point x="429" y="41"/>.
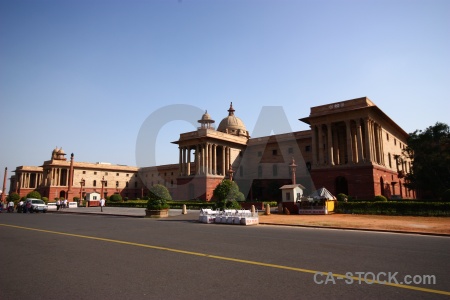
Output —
<point x="336" y="154"/>
<point x="368" y="150"/>
<point x="215" y="159"/>
<point x="314" y="143"/>
<point x="223" y="160"/>
<point x="349" y="142"/>
<point x="380" y="144"/>
<point x="320" y="146"/>
<point x="330" y="145"/>
<point x="180" y="161"/>
<point x="188" y="166"/>
<point x="359" y="141"/>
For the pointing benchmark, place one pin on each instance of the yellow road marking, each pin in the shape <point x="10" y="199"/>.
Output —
<point x="243" y="261"/>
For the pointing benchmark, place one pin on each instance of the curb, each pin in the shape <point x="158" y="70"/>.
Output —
<point x="358" y="229"/>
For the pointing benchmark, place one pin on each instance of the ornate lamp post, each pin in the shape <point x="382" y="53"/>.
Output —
<point x="230" y="173"/>
<point x="82" y="182"/>
<point x="103" y="181"/>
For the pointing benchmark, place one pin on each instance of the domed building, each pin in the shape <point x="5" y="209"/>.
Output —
<point x="232" y="124"/>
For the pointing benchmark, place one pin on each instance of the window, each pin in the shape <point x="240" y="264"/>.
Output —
<point x="387" y="136"/>
<point x="126" y="184"/>
<point x="117" y="174"/>
<point x="274" y="152"/>
<point x="135" y="184"/>
<point x="106" y="183"/>
<point x="106" y="173"/>
<point x="95" y="173"/>
<point x="395" y="142"/>
<point x="94" y="183"/>
<point x="171" y="183"/>
<point x="275" y="170"/>
<point x="290" y="150"/>
<point x="128" y="175"/>
<point x="308" y="166"/>
<point x="117" y="184"/>
<point x="389" y="158"/>
<point x="308" y="148"/>
<point x="84" y="172"/>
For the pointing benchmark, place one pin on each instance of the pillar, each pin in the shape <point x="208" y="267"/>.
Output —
<point x="349" y="142"/>
<point x="368" y="149"/>
<point x="188" y="163"/>
<point x="359" y="141"/>
<point x="314" y="143"/>
<point x="320" y="146"/>
<point x="330" y="145"/>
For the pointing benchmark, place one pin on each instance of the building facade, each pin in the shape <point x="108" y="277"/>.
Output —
<point x="352" y="147"/>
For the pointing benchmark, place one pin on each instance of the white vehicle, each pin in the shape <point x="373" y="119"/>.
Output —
<point x="37" y="205"/>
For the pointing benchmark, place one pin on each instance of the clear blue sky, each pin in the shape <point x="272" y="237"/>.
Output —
<point x="85" y="74"/>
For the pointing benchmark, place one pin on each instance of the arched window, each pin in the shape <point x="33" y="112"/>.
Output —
<point x="341" y="185"/>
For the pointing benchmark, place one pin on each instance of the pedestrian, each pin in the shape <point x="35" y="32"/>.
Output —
<point x="65" y="203"/>
<point x="102" y="203"/>
<point x="20" y="207"/>
<point x="11" y="206"/>
<point x="58" y="204"/>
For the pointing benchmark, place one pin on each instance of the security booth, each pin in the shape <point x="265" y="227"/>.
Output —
<point x="320" y="202"/>
<point x="291" y="195"/>
<point x="93" y="199"/>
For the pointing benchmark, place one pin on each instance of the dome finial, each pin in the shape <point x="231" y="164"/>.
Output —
<point x="231" y="110"/>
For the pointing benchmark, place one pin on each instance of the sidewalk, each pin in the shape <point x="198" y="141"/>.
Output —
<point x="398" y="224"/>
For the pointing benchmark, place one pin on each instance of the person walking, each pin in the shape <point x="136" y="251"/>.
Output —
<point x="58" y="204"/>
<point x="102" y="203"/>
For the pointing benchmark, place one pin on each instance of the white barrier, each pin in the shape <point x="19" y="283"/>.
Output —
<point x="73" y="204"/>
<point x="229" y="216"/>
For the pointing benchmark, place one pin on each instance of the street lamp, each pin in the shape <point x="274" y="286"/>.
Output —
<point x="82" y="182"/>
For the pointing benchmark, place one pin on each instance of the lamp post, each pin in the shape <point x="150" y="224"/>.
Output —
<point x="103" y="181"/>
<point x="82" y="182"/>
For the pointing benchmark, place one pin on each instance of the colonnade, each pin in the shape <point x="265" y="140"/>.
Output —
<point x="30" y="180"/>
<point x="58" y="176"/>
<point x="209" y="159"/>
<point x="350" y="141"/>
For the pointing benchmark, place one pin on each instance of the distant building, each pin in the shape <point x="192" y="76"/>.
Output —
<point x="352" y="147"/>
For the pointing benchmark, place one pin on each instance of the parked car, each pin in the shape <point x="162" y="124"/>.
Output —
<point x="35" y="205"/>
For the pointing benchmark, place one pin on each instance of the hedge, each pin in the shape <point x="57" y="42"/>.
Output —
<point x="400" y="208"/>
<point x="173" y="204"/>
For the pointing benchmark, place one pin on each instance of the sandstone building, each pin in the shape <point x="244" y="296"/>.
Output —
<point x="353" y="147"/>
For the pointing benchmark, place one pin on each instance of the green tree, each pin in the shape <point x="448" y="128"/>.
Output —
<point x="429" y="151"/>
<point x="14" y="197"/>
<point x="158" y="197"/>
<point x="226" y="195"/>
<point x="34" y="194"/>
<point x="226" y="190"/>
<point x="115" y="198"/>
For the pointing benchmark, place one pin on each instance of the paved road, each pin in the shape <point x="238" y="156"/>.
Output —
<point x="54" y="256"/>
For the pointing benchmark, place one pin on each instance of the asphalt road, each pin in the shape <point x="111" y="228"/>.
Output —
<point x="69" y="256"/>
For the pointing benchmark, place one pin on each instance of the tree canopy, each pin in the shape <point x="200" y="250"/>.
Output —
<point x="429" y="151"/>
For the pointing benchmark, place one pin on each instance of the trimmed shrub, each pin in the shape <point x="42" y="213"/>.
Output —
<point x="45" y="199"/>
<point x="115" y="198"/>
<point x="34" y="194"/>
<point x="342" y="197"/>
<point x="380" y="198"/>
<point x="14" y="197"/>
<point x="158" y="197"/>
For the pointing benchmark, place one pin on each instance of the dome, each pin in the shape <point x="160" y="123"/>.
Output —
<point x="206" y="121"/>
<point x="232" y="124"/>
<point x="206" y="116"/>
